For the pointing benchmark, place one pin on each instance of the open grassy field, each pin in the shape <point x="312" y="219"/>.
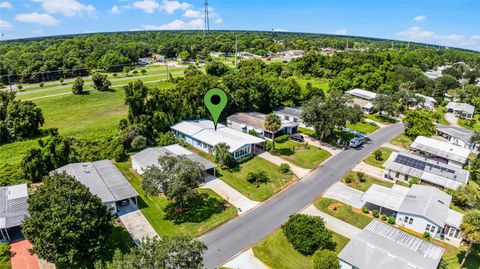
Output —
<point x="320" y="83"/>
<point x="276" y="252"/>
<point x="402" y="141"/>
<point x="363" y="127"/>
<point x="308" y="158"/>
<point x="212" y="212"/>
<point x="342" y="211"/>
<point x="236" y="177"/>
<point x="363" y="186"/>
<point x="386" y="152"/>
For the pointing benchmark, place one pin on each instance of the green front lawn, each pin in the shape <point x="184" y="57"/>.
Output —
<point x="363" y="186"/>
<point x="211" y="212"/>
<point x="342" y="211"/>
<point x="402" y="141"/>
<point x="236" y="177"/>
<point x="296" y="153"/>
<point x="276" y="252"/>
<point x="363" y="127"/>
<point x="470" y="124"/>
<point x="386" y="152"/>
<point x="381" y="119"/>
<point x="441" y="115"/>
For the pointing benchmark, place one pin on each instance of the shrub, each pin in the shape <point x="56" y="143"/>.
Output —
<point x="391" y="220"/>
<point x="361" y="177"/>
<point x="139" y="142"/>
<point x="325" y="259"/>
<point x="365" y="210"/>
<point x="307" y="234"/>
<point x="252" y="132"/>
<point x="384" y="217"/>
<point x="257" y="177"/>
<point x="41" y="84"/>
<point x="166" y="139"/>
<point x="285" y="168"/>
<point x="348" y="179"/>
<point x="119" y="154"/>
<point x="282" y="138"/>
<point x="375" y="213"/>
<point x="4" y="252"/>
<point x="20" y="87"/>
<point x="426" y="235"/>
<point x="77" y="87"/>
<point x="378" y="155"/>
<point x="413" y="181"/>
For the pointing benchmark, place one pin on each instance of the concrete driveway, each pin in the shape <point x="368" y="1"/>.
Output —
<point x="246" y="260"/>
<point x="240" y="201"/>
<point x="297" y="170"/>
<point x="135" y="222"/>
<point x="452" y="119"/>
<point x="344" y="194"/>
<point x="332" y="223"/>
<point x="370" y="170"/>
<point x="21" y="257"/>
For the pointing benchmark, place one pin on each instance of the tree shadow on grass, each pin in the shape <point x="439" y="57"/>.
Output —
<point x="282" y="151"/>
<point x="198" y="209"/>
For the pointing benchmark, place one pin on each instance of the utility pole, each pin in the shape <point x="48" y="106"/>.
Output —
<point x="9" y="82"/>
<point x="236" y="50"/>
<point x="206" y="20"/>
<point x="166" y="67"/>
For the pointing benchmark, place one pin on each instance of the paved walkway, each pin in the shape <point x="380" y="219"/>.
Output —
<point x="246" y="260"/>
<point x="394" y="147"/>
<point x="381" y="125"/>
<point x="345" y="194"/>
<point x="21" y="257"/>
<point x="241" y="202"/>
<point x="317" y="143"/>
<point x="135" y="222"/>
<point x="297" y="170"/>
<point x="369" y="170"/>
<point x="452" y="119"/>
<point x="332" y="223"/>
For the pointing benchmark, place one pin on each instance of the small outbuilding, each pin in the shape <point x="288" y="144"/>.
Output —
<point x="13" y="208"/>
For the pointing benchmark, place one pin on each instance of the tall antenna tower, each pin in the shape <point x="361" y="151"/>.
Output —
<point x="206" y="20"/>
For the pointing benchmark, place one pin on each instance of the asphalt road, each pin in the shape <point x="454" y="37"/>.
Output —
<point x="244" y="231"/>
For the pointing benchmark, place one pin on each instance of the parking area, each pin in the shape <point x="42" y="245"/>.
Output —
<point x="135" y="222"/>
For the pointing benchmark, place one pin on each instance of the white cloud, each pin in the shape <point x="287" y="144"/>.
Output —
<point x="170" y="6"/>
<point x="148" y="6"/>
<point x="420" y="18"/>
<point x="6" y="4"/>
<point x="475" y="37"/>
<point x="190" y="13"/>
<point x="68" y="8"/>
<point x="35" y="17"/>
<point x="37" y="31"/>
<point x="218" y="21"/>
<point x="416" y="33"/>
<point x="279" y="30"/>
<point x="115" y="10"/>
<point x="5" y="25"/>
<point x="176" y="25"/>
<point x="340" y="32"/>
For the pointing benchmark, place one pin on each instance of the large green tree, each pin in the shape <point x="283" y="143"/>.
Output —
<point x="470" y="228"/>
<point x="77" y="87"/>
<point x="101" y="82"/>
<point x="216" y="68"/>
<point x="419" y="122"/>
<point x="68" y="226"/>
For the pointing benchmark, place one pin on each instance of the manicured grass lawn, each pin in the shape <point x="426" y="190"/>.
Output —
<point x="386" y="152"/>
<point x="380" y="119"/>
<point x="363" y="186"/>
<point x="470" y="124"/>
<point x="316" y="82"/>
<point x="276" y="252"/>
<point x="207" y="216"/>
<point x="343" y="212"/>
<point x="236" y="177"/>
<point x="363" y="127"/>
<point x="441" y="115"/>
<point x="306" y="131"/>
<point x="402" y="141"/>
<point x="308" y="158"/>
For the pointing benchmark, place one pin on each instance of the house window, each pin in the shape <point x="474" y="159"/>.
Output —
<point x="428" y="227"/>
<point x="432" y="229"/>
<point x="456" y="234"/>
<point x="397" y="174"/>
<point x="295" y="120"/>
<point x="287" y="118"/>
<point x="406" y="178"/>
<point x="410" y="221"/>
<point x="452" y="232"/>
<point x="405" y="220"/>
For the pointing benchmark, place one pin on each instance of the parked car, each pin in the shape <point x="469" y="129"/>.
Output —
<point x="297" y="137"/>
<point x="356" y="142"/>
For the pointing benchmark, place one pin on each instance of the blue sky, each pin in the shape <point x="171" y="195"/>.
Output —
<point x="445" y="22"/>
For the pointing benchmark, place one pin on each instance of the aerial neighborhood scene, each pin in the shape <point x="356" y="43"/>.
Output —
<point x="167" y="134"/>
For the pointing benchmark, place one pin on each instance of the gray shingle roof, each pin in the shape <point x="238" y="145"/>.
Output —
<point x="102" y="179"/>
<point x="256" y="120"/>
<point x="380" y="245"/>
<point x="13" y="205"/>
<point x="461" y="133"/>
<point x="149" y="157"/>
<point x="428" y="202"/>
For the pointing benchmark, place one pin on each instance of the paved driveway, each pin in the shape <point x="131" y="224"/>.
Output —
<point x="21" y="258"/>
<point x="345" y="194"/>
<point x="246" y="260"/>
<point x="317" y="143"/>
<point x="241" y="202"/>
<point x="332" y="223"/>
<point x="297" y="170"/>
<point x="370" y="170"/>
<point x="452" y="119"/>
<point x="135" y="222"/>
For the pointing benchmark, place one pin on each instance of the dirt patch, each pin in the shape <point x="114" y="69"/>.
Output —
<point x="335" y="206"/>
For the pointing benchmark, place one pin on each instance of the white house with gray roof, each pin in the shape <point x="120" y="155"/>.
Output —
<point x="104" y="180"/>
<point x="149" y="157"/>
<point x="405" y="166"/>
<point x="291" y="114"/>
<point x="461" y="110"/>
<point x="13" y="207"/>
<point x="457" y="135"/>
<point x="381" y="246"/>
<point x="440" y="151"/>
<point x="254" y="121"/>
<point x="363" y="98"/>
<point x="427" y="102"/>
<point x="202" y="135"/>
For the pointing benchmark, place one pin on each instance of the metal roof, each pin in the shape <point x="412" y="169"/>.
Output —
<point x="428" y="202"/>
<point x="441" y="149"/>
<point x="427" y="170"/>
<point x="386" y="197"/>
<point x="458" y="132"/>
<point x="361" y="93"/>
<point x="13" y="205"/>
<point x="289" y="111"/>
<point x="257" y="120"/>
<point x="149" y="157"/>
<point x="461" y="107"/>
<point x="380" y="245"/>
<point x="204" y="131"/>
<point x="102" y="179"/>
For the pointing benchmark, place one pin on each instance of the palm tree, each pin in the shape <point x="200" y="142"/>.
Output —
<point x="470" y="230"/>
<point x="272" y="124"/>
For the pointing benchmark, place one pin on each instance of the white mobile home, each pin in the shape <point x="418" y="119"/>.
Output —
<point x="440" y="151"/>
<point x="246" y="122"/>
<point x="461" y="110"/>
<point x="364" y="99"/>
<point x="13" y="208"/>
<point x="457" y="135"/>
